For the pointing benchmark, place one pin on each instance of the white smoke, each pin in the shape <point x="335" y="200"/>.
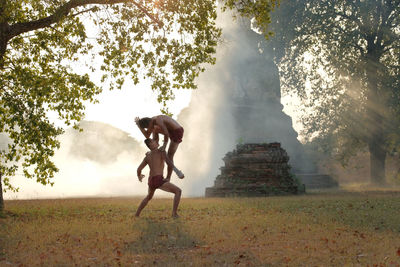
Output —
<point x="218" y="116"/>
<point x="208" y="122"/>
<point x="200" y="154"/>
<point x="210" y="132"/>
<point x="80" y="176"/>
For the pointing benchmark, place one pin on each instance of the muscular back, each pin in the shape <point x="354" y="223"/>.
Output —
<point x="169" y="122"/>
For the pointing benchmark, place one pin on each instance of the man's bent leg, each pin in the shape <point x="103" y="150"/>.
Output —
<point x="169" y="187"/>
<point x="171" y="152"/>
<point x="144" y="202"/>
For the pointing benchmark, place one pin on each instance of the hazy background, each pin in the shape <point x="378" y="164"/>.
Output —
<point x="102" y="160"/>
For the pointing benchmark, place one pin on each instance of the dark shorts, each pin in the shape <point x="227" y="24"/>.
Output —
<point x="176" y="135"/>
<point x="156" y="181"/>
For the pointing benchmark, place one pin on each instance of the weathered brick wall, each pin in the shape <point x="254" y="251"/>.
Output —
<point x="255" y="170"/>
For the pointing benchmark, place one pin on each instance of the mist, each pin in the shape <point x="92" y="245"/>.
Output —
<point x="208" y="121"/>
<point x="237" y="101"/>
<point x="100" y="161"/>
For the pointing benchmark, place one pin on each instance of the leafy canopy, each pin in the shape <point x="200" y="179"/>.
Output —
<point x="42" y="42"/>
<point x="343" y="63"/>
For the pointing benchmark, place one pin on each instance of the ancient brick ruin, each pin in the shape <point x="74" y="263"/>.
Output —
<point x="255" y="170"/>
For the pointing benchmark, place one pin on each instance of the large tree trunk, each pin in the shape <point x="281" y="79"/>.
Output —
<point x="377" y="159"/>
<point x="376" y="144"/>
<point x="376" y="141"/>
<point x="1" y="196"/>
<point x="3" y="33"/>
<point x="376" y="122"/>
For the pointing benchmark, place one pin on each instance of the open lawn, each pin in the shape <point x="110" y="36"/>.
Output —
<point x="329" y="229"/>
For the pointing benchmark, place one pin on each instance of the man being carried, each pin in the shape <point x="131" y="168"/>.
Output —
<point x="166" y="126"/>
<point x="155" y="159"/>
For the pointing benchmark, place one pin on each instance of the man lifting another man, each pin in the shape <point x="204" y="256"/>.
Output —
<point x="157" y="156"/>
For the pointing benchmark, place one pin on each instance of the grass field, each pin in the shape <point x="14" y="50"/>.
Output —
<point x="330" y="229"/>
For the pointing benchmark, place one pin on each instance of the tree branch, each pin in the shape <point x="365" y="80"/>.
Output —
<point x="390" y="47"/>
<point x="64" y="10"/>
<point x="379" y="23"/>
<point x="82" y="12"/>
<point x="355" y="45"/>
<point x="353" y="19"/>
<point x="394" y="15"/>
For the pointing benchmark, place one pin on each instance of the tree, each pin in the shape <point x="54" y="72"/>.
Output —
<point x="167" y="41"/>
<point x="343" y="63"/>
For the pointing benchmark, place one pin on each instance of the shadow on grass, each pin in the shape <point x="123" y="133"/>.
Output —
<point x="160" y="235"/>
<point x="168" y="241"/>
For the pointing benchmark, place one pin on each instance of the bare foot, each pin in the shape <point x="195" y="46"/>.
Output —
<point x="180" y="174"/>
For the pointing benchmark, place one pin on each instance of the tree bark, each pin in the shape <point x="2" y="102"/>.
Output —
<point x="377" y="161"/>
<point x="3" y="33"/>
<point x="376" y="110"/>
<point x="376" y="138"/>
<point x="1" y="195"/>
<point x="7" y="31"/>
<point x="64" y="10"/>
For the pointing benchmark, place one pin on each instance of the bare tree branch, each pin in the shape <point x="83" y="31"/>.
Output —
<point x="83" y="11"/>
<point x="352" y="19"/>
<point x="393" y="15"/>
<point x="391" y="47"/>
<point x="64" y="10"/>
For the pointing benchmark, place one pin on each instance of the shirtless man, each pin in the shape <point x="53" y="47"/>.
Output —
<point x="170" y="128"/>
<point x="155" y="159"/>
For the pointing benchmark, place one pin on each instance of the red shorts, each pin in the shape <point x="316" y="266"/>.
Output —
<point x="176" y="135"/>
<point x="156" y="181"/>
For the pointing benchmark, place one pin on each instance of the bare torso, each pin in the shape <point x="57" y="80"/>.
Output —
<point x="155" y="161"/>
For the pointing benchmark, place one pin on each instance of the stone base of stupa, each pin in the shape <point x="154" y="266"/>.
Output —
<point x="255" y="170"/>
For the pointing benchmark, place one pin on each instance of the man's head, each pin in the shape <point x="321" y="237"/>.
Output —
<point x="151" y="143"/>
<point x="144" y="122"/>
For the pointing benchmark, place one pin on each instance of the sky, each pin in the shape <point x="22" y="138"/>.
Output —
<point x="120" y="107"/>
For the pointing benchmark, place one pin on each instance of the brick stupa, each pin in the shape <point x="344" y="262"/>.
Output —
<point x="255" y="170"/>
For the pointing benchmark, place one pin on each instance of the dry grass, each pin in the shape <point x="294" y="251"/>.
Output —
<point x="330" y="229"/>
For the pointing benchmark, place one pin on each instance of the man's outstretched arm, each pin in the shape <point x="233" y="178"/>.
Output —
<point x="145" y="132"/>
<point x="140" y="168"/>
